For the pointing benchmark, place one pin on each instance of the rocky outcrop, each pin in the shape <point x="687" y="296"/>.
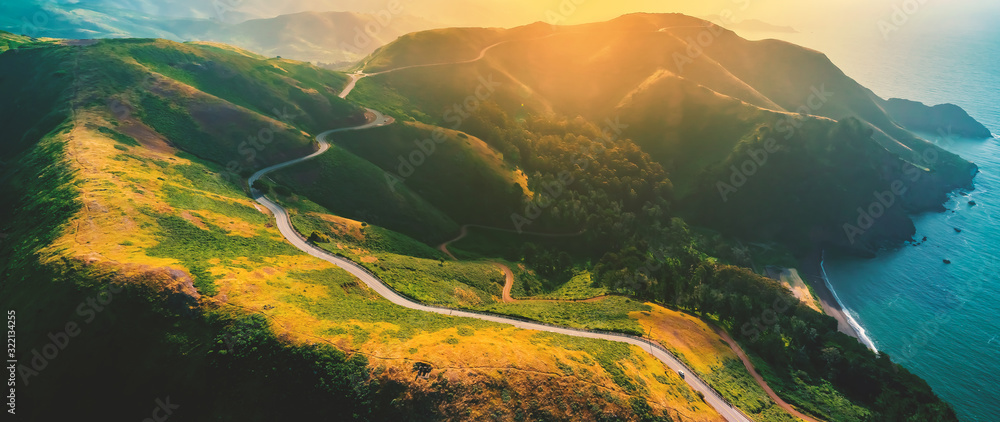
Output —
<point x="943" y="119"/>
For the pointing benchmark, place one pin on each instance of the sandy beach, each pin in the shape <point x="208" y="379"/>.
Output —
<point x="812" y="271"/>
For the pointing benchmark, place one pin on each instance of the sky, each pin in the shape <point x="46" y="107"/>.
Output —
<point x="802" y="14"/>
<point x="807" y="14"/>
<point x="850" y="21"/>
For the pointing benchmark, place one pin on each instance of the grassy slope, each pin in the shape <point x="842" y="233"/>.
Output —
<point x="151" y="214"/>
<point x="271" y="87"/>
<point x="486" y="194"/>
<point x="700" y="112"/>
<point x="9" y="41"/>
<point x="417" y="48"/>
<point x="35" y="78"/>
<point x="353" y="187"/>
<point x="475" y="285"/>
<point x="683" y="127"/>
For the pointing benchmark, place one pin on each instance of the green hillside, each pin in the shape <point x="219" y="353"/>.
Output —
<point x="607" y="175"/>
<point x="129" y="217"/>
<point x="690" y="114"/>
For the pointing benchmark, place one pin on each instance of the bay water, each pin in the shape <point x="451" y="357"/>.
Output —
<point x="939" y="320"/>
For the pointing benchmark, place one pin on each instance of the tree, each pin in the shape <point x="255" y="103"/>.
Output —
<point x="282" y="191"/>
<point x="317" y="237"/>
<point x="261" y="186"/>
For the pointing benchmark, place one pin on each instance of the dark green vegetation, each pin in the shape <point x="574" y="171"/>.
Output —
<point x="245" y="111"/>
<point x="766" y="106"/>
<point x="122" y="139"/>
<point x="450" y="156"/>
<point x="733" y="382"/>
<point x="35" y="80"/>
<point x="227" y="357"/>
<point x="633" y="164"/>
<point x="251" y="81"/>
<point x="619" y="165"/>
<point x="792" y="338"/>
<point x="354" y="188"/>
<point x="138" y="344"/>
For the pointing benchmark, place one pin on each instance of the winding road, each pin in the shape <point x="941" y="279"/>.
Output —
<point x="377" y="119"/>
<point x="507" y="273"/>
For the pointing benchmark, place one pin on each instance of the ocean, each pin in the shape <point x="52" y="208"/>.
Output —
<point x="938" y="320"/>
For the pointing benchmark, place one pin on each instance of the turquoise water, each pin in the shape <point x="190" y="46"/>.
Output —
<point x="939" y="320"/>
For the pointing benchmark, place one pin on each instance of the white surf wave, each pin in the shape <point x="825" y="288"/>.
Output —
<point x="862" y="333"/>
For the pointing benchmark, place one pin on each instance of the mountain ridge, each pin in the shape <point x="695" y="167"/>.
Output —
<point x="548" y="69"/>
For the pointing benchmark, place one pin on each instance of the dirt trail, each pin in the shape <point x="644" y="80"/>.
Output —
<point x="728" y="411"/>
<point x="508" y="274"/>
<point x="760" y="380"/>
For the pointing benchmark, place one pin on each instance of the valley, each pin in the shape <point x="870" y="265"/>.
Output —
<point x="471" y="224"/>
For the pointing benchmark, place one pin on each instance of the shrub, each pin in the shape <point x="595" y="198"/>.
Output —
<point x="317" y="237"/>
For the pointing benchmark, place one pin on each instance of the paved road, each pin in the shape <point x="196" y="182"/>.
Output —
<point x="378" y="119"/>
<point x="285" y="227"/>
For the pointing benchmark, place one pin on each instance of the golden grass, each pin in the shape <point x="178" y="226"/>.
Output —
<point x="342" y="227"/>
<point x="686" y="336"/>
<point x="111" y="232"/>
<point x="109" y="226"/>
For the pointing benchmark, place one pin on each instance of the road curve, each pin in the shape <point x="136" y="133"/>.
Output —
<point x="759" y="379"/>
<point x="285" y="227"/>
<point x="508" y="274"/>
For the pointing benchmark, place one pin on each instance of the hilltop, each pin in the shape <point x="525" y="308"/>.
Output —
<point x="699" y="108"/>
<point x="127" y="176"/>
<point x="593" y="161"/>
<point x="333" y="39"/>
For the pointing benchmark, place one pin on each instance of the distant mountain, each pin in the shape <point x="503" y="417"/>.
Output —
<point x="332" y="38"/>
<point x="946" y="119"/>
<point x="336" y="38"/>
<point x="753" y="25"/>
<point x="700" y="100"/>
<point x="125" y="175"/>
<point x="93" y="20"/>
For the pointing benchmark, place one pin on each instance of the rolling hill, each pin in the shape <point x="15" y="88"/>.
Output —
<point x="129" y="218"/>
<point x="128" y="170"/>
<point x="333" y="39"/>
<point x="697" y="98"/>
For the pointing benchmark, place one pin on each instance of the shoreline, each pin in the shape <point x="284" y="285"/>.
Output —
<point x="815" y="274"/>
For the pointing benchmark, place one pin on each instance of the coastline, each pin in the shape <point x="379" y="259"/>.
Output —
<point x="813" y="272"/>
